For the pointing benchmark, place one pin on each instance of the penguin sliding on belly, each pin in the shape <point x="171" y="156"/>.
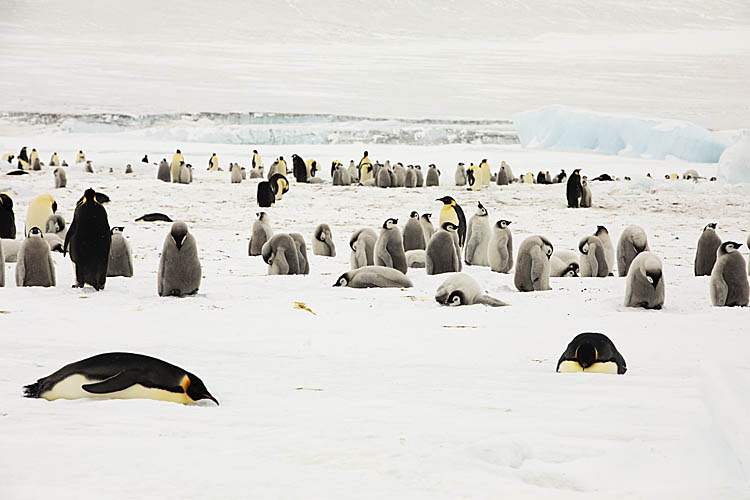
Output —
<point x="121" y="375"/>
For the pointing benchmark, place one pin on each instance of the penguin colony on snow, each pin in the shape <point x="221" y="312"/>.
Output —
<point x="377" y="260"/>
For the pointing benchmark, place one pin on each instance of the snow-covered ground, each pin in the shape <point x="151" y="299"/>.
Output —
<point x="378" y="393"/>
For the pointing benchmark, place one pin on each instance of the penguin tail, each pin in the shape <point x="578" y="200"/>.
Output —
<point x="491" y="301"/>
<point x="32" y="391"/>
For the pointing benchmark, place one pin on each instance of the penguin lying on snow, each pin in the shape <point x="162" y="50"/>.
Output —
<point x="593" y="353"/>
<point x="460" y="289"/>
<point x="154" y="217"/>
<point x="121" y="375"/>
<point x="374" y="277"/>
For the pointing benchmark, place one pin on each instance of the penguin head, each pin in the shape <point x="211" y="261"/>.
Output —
<point x="262" y="216"/>
<point x="583" y="245"/>
<point x="577" y="171"/>
<point x="178" y="152"/>
<point x="6" y="202"/>
<point x="35" y="232"/>
<point x="255" y="151"/>
<point x="294" y="155"/>
<point x="449" y="226"/>
<point x="447" y="200"/>
<point x="427" y="217"/>
<point x="601" y="230"/>
<point x="196" y="389"/>
<point x="117" y="230"/>
<point x="456" y="298"/>
<point x="729" y="247"/>
<point x="572" y="270"/>
<point x="343" y="280"/>
<point x="481" y="211"/>
<point x="666" y="176"/>
<point x="711" y="225"/>
<point x="390" y="223"/>
<point x="414" y="215"/>
<point x="366" y="154"/>
<point x="547" y="247"/>
<point x="460" y="164"/>
<point x="418" y="167"/>
<point x="652" y="271"/>
<point x="179" y="233"/>
<point x="586" y="355"/>
<point x="502" y="223"/>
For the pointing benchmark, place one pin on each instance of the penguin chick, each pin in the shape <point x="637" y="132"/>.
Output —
<point x="460" y="176"/>
<point x="500" y="250"/>
<point x="532" y="264"/>
<point x="729" y="283"/>
<point x="478" y="238"/>
<point x="262" y="232"/>
<point x="120" y="257"/>
<point x="645" y="282"/>
<point x="593" y="263"/>
<point x="414" y="238"/>
<point x="362" y="243"/>
<point x="322" y="243"/>
<point x="609" y="251"/>
<point x="564" y="264"/>
<point x="281" y="254"/>
<point x="389" y="249"/>
<point x="427" y="227"/>
<point x="304" y="262"/>
<point x="705" y="253"/>
<point x="441" y="255"/>
<point x="34" y="265"/>
<point x="179" y="266"/>
<point x="55" y="224"/>
<point x="374" y="277"/>
<point x="61" y="178"/>
<point x="632" y="242"/>
<point x="416" y="259"/>
<point x="592" y="353"/>
<point x="460" y="289"/>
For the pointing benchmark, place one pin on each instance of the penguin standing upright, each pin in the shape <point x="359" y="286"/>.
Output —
<point x="574" y="190"/>
<point x="174" y="167"/>
<point x="322" y="243"/>
<point x="484" y="168"/>
<point x="144" y="159"/>
<point x="473" y="178"/>
<point x="2" y="265"/>
<point x="179" y="266"/>
<point x="34" y="160"/>
<point x="585" y="194"/>
<point x="40" y="208"/>
<point x="362" y="243"/>
<point x="389" y="249"/>
<point x="632" y="241"/>
<point x="413" y="234"/>
<point x="54" y="161"/>
<point x="433" y="176"/>
<point x="185" y="173"/>
<point x="609" y="251"/>
<point x="7" y="217"/>
<point x="61" y="179"/>
<point x="500" y="251"/>
<point x="262" y="232"/>
<point x="265" y="195"/>
<point x="213" y="163"/>
<point x="164" y="173"/>
<point x="364" y="169"/>
<point x="235" y="174"/>
<point x="279" y="185"/>
<point x="503" y="179"/>
<point x="645" y="282"/>
<point x="452" y="212"/>
<point x="299" y="169"/>
<point x="478" y="238"/>
<point x="257" y="161"/>
<point x="427" y="227"/>
<point x="89" y="241"/>
<point x="34" y="264"/>
<point x="304" y="262"/>
<point x="120" y="261"/>
<point x="591" y="352"/>
<point x="729" y="284"/>
<point x="532" y="264"/>
<point x="120" y="375"/>
<point x="460" y="176"/>
<point x="420" y="176"/>
<point x="81" y="157"/>
<point x="705" y="253"/>
<point x="593" y="262"/>
<point x="442" y="253"/>
<point x="23" y="159"/>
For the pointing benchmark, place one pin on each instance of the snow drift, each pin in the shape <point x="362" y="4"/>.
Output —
<point x="564" y="128"/>
<point x="734" y="164"/>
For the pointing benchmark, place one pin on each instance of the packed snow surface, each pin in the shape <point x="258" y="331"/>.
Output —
<point x="381" y="392"/>
<point x="561" y="127"/>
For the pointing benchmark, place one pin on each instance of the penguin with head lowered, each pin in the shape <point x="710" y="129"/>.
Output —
<point x="322" y="243"/>
<point x="532" y="264"/>
<point x="389" y="248"/>
<point x="121" y="375"/>
<point x="362" y="243"/>
<point x="645" y="282"/>
<point x="179" y="266"/>
<point x="592" y="353"/>
<point x="89" y="240"/>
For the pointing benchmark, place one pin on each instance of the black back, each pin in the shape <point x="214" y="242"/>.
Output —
<point x="299" y="169"/>
<point x="585" y="343"/>
<point x="266" y="197"/>
<point x="575" y="190"/>
<point x="88" y="241"/>
<point x="7" y="218"/>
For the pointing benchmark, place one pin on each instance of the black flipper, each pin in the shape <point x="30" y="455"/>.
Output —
<point x="118" y="382"/>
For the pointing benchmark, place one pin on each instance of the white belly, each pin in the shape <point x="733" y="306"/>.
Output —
<point x="70" y="388"/>
<point x="574" y="367"/>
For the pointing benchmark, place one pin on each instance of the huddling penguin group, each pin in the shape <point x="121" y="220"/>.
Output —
<point x="376" y="260"/>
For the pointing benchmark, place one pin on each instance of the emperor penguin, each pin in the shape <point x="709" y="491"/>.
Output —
<point x="400" y="172"/>
<point x="243" y="173"/>
<point x="121" y="375"/>
<point x="413" y="234"/>
<point x="353" y="172"/>
<point x="81" y="157"/>
<point x="585" y="194"/>
<point x="433" y="176"/>
<point x="213" y="163"/>
<point x="34" y="264"/>
<point x="281" y="254"/>
<point x="174" y="167"/>
<point x="632" y="242"/>
<point x="120" y="257"/>
<point x="257" y="161"/>
<point x="257" y="173"/>
<point x="389" y="249"/>
<point x="452" y="212"/>
<point x="593" y="261"/>
<point x="2" y="265"/>
<point x="262" y="232"/>
<point x="235" y="174"/>
<point x="304" y="262"/>
<point x="540" y="179"/>
<point x="748" y="261"/>
<point x="705" y="254"/>
<point x="528" y="178"/>
<point x="564" y="264"/>
<point x="23" y="159"/>
<point x="500" y="250"/>
<point x="645" y="282"/>
<point x="442" y="254"/>
<point x="427" y="227"/>
<point x="383" y="179"/>
<point x="609" y="251"/>
<point x="460" y="176"/>
<point x="365" y="169"/>
<point x="272" y="170"/>
<point x="560" y="178"/>
<point x="592" y="353"/>
<point x="8" y="158"/>
<point x="473" y="178"/>
<point x="144" y="159"/>
<point x="484" y="168"/>
<point x="61" y="179"/>
<point x="179" y="266"/>
<point x="299" y="169"/>
<point x="729" y="284"/>
<point x="184" y="175"/>
<point x="55" y="224"/>
<point x="410" y="178"/>
<point x="34" y="160"/>
<point x="362" y="243"/>
<point x="7" y="217"/>
<point x="575" y="189"/>
<point x="322" y="243"/>
<point x="164" y="173"/>
<point x="503" y="179"/>
<point x="374" y="277"/>
<point x="88" y="240"/>
<point x="40" y="208"/>
<point x="266" y="197"/>
<point x="420" y="176"/>
<point x="460" y="289"/>
<point x="54" y="161"/>
<point x="532" y="264"/>
<point x="279" y="185"/>
<point x="281" y="167"/>
<point x="128" y="169"/>
<point x="416" y="259"/>
<point x="478" y="238"/>
<point x="88" y="168"/>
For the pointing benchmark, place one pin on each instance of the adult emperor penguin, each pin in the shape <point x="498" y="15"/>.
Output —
<point x="478" y="238"/>
<point x="179" y="266"/>
<point x="279" y="185"/>
<point x="729" y="284"/>
<point x="705" y="254"/>
<point x="120" y="257"/>
<point x="410" y="178"/>
<point x="364" y="169"/>
<point x="174" y="167"/>
<point x="473" y="178"/>
<point x="121" y="375"/>
<point x="235" y="174"/>
<point x="304" y="262"/>
<point x="585" y="194"/>
<point x="281" y="254"/>
<point x="7" y="217"/>
<point x="593" y="261"/>
<point x="299" y="169"/>
<point x="427" y="227"/>
<point x="460" y="176"/>
<point x="144" y="159"/>
<point x="164" y="173"/>
<point x="61" y="179"/>
<point x="81" y="157"/>
<point x="362" y="243"/>
<point x="500" y="250"/>
<point x="34" y="265"/>
<point x="460" y="289"/>
<point x="503" y="179"/>
<point x="322" y="243"/>
<point x="8" y="158"/>
<point x="484" y="168"/>
<point x="433" y="176"/>
<point x="2" y="264"/>
<point x="213" y="163"/>
<point x="23" y="159"/>
<point x="575" y="189"/>
<point x="88" y="241"/>
<point x="593" y="353"/>
<point x="645" y="282"/>
<point x="374" y="277"/>
<point x="54" y="161"/>
<point x="257" y="161"/>
<point x="632" y="242"/>
<point x="40" y="208"/>
<point x="413" y="234"/>
<point x="452" y="212"/>
<point x="262" y="232"/>
<point x="265" y="196"/>
<point x="442" y="254"/>
<point x="609" y="251"/>
<point x="564" y="264"/>
<point x="532" y="264"/>
<point x="389" y="249"/>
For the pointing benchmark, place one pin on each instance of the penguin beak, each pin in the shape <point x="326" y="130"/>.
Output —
<point x="208" y="396"/>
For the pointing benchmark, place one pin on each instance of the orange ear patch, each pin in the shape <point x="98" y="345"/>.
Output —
<point x="185" y="383"/>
